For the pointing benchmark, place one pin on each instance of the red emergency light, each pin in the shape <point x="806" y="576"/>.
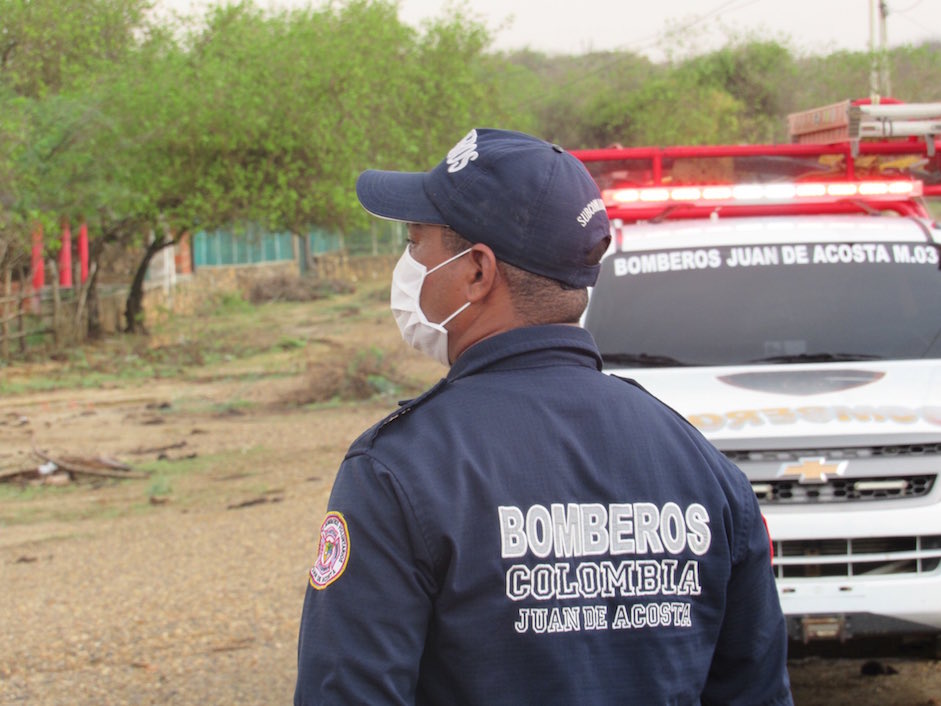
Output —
<point x="756" y="194"/>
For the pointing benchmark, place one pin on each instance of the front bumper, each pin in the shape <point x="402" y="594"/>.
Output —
<point x="870" y="570"/>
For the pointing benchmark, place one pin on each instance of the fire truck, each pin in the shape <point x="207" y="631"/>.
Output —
<point x="786" y="299"/>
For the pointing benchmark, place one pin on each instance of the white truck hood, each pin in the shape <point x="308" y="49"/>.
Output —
<point x="735" y="407"/>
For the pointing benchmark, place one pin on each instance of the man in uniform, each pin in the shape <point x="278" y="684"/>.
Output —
<point x="530" y="529"/>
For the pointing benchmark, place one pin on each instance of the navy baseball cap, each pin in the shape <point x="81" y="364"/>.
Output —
<point x="532" y="202"/>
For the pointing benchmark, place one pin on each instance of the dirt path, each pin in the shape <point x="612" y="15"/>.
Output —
<point x="186" y="587"/>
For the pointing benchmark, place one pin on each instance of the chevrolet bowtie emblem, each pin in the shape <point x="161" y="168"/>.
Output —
<point x="812" y="470"/>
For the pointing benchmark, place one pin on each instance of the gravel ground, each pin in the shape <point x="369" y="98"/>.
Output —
<point x="193" y="608"/>
<point x="110" y="599"/>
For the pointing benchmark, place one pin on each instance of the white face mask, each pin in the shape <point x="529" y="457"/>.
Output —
<point x="420" y="333"/>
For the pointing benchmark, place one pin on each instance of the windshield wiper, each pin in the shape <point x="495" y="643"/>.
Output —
<point x="643" y="360"/>
<point x="816" y="358"/>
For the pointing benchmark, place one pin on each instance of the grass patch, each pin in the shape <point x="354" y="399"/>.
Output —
<point x="232" y="407"/>
<point x="160" y="487"/>
<point x="16" y="492"/>
<point x="182" y="347"/>
<point x="166" y="468"/>
<point x="232" y="302"/>
<point x="36" y="385"/>
<point x="344" y="374"/>
<point x="30" y="504"/>
<point x="181" y="482"/>
<point x="271" y="335"/>
<point x="287" y="344"/>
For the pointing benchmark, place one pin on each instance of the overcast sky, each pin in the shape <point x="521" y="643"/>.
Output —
<point x="579" y="26"/>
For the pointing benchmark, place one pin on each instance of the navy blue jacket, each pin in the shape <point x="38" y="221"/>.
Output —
<point x="533" y="531"/>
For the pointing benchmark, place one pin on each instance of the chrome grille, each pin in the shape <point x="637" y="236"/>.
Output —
<point x="788" y="455"/>
<point x="868" y="556"/>
<point x="842" y="489"/>
<point x="836" y="489"/>
<point x="908" y="450"/>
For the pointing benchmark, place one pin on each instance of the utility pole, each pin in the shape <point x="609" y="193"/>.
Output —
<point x="884" y="49"/>
<point x="879" y="67"/>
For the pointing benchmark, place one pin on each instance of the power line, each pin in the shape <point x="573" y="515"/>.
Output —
<point x="646" y="42"/>
<point x="903" y="14"/>
<point x="907" y="9"/>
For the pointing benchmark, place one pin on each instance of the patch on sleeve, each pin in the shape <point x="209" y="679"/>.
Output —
<point x="333" y="552"/>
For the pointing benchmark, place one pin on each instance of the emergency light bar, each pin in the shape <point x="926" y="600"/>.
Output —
<point x="699" y="181"/>
<point x="760" y="194"/>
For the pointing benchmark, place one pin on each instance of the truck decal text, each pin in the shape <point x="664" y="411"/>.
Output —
<point x="740" y="419"/>
<point x="776" y="255"/>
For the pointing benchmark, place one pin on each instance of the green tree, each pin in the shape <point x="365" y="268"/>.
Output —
<point x="46" y="46"/>
<point x="747" y="75"/>
<point x="282" y="111"/>
<point x="68" y="162"/>
<point x="829" y="79"/>
<point x="574" y="99"/>
<point x="723" y="96"/>
<point x="267" y="118"/>
<point x="13" y="138"/>
<point x="914" y="72"/>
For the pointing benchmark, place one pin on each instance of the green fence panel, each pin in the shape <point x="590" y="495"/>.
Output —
<point x="321" y="241"/>
<point x="277" y="246"/>
<point x="252" y="246"/>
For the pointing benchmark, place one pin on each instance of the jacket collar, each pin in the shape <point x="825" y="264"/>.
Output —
<point x="526" y="347"/>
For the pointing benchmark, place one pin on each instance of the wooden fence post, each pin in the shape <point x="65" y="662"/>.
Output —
<point x="23" y="294"/>
<point x="56" y="303"/>
<point x="80" y="327"/>
<point x="7" y="300"/>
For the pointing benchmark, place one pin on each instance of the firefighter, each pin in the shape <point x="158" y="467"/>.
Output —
<point x="530" y="529"/>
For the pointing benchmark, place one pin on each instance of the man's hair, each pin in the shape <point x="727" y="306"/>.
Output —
<point x="537" y="299"/>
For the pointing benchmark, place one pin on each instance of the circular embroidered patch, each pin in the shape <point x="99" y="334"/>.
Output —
<point x="333" y="552"/>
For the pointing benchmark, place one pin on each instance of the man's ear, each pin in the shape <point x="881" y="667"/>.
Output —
<point x="482" y="275"/>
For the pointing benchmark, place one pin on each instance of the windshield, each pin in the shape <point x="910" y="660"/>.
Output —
<point x="782" y="303"/>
